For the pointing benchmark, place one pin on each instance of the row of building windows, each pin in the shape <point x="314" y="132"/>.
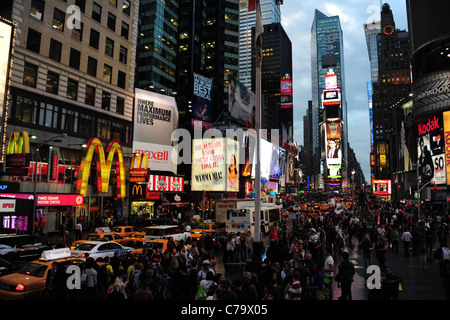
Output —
<point x="52" y="86"/>
<point x="47" y="114"/>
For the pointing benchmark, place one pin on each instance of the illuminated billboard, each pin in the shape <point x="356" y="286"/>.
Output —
<point x="431" y="149"/>
<point x="381" y="187"/>
<point x="202" y="100"/>
<point x="333" y="150"/>
<point x="155" y="118"/>
<point x="331" y="97"/>
<point x="286" y="93"/>
<point x="215" y="165"/>
<point x="241" y="102"/>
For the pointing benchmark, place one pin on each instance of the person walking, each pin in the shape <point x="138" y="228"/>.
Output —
<point x="367" y="247"/>
<point x="406" y="239"/>
<point x="328" y="271"/>
<point x="344" y="277"/>
<point x="395" y="239"/>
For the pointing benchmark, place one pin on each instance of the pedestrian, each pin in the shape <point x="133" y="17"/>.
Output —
<point x="90" y="287"/>
<point x="328" y="271"/>
<point x="78" y="231"/>
<point x="380" y="252"/>
<point x="406" y="239"/>
<point x="395" y="238"/>
<point x="344" y="277"/>
<point x="366" y="247"/>
<point x="51" y="289"/>
<point x="238" y="247"/>
<point x="224" y="292"/>
<point x="115" y="292"/>
<point x="144" y="292"/>
<point x="390" y="285"/>
<point x="293" y="290"/>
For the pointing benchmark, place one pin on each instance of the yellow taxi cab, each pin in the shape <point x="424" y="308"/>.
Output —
<point x="29" y="282"/>
<point x="160" y="243"/>
<point x="125" y="231"/>
<point x="208" y="226"/>
<point x="106" y="236"/>
<point x="310" y="212"/>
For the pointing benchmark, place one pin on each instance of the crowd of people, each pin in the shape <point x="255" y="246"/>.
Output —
<point x="300" y="262"/>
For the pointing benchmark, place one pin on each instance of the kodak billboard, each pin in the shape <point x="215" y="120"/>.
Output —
<point x="446" y="116"/>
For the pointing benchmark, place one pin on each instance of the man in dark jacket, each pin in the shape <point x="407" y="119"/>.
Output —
<point x="346" y="271"/>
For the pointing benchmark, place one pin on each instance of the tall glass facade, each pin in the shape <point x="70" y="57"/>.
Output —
<point x="326" y="39"/>
<point x="157" y="44"/>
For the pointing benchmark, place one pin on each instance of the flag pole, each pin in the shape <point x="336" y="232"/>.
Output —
<point x="257" y="247"/>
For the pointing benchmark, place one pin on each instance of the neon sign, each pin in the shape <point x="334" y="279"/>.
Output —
<point x="103" y="166"/>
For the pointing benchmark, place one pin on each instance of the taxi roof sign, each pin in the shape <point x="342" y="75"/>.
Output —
<point x="54" y="254"/>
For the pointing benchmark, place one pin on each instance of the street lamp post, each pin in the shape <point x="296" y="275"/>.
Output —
<point x="353" y="191"/>
<point x="33" y="216"/>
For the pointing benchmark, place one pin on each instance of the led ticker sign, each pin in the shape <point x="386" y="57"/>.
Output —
<point x="103" y="165"/>
<point x="381" y="187"/>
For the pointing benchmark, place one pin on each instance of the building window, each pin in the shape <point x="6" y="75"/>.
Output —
<point x="92" y="67"/>
<point x="107" y="73"/>
<point x="75" y="58"/>
<point x="52" y="82"/>
<point x="81" y="4"/>
<point x="109" y="47"/>
<point x="37" y="9"/>
<point x="125" y="30"/>
<point x="48" y="115"/>
<point x="94" y="39"/>
<point x="58" y="19"/>
<point x="123" y="54"/>
<point x="120" y="105"/>
<point x="77" y="34"/>
<point x="106" y="100"/>
<point x="30" y="75"/>
<point x="55" y="50"/>
<point x="97" y="12"/>
<point x="72" y="89"/>
<point x="111" y="21"/>
<point x="89" y="97"/>
<point x="126" y="7"/>
<point x="113" y="3"/>
<point x="26" y="110"/>
<point x="121" y="79"/>
<point x="34" y="41"/>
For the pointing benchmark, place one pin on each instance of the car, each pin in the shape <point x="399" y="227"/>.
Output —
<point x="208" y="226"/>
<point x="100" y="249"/>
<point x="107" y="236"/>
<point x="155" y="232"/>
<point x="125" y="231"/>
<point x="28" y="283"/>
<point x="7" y="267"/>
<point x="23" y="246"/>
<point x="160" y="243"/>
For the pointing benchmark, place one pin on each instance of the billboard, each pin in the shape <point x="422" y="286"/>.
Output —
<point x="265" y="160"/>
<point x="331" y="97"/>
<point x="381" y="187"/>
<point x="202" y="104"/>
<point x="155" y="118"/>
<point x="431" y="149"/>
<point x="215" y="165"/>
<point x="7" y="40"/>
<point x="241" y="102"/>
<point x="286" y="93"/>
<point x="333" y="150"/>
<point x="446" y="120"/>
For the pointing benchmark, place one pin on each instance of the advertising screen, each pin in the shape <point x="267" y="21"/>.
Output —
<point x="331" y="97"/>
<point x="241" y="101"/>
<point x="265" y="159"/>
<point x="381" y="187"/>
<point x="215" y="165"/>
<point x="155" y="118"/>
<point x="333" y="151"/>
<point x="431" y="150"/>
<point x="202" y="104"/>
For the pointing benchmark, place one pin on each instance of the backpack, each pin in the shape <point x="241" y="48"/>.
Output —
<point x="163" y="291"/>
<point x="201" y="293"/>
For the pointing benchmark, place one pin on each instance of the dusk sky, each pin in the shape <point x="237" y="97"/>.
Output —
<point x="297" y="18"/>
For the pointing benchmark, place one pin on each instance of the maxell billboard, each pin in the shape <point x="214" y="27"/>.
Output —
<point x="155" y="118"/>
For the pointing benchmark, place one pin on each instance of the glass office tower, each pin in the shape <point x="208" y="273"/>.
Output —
<point x="327" y="48"/>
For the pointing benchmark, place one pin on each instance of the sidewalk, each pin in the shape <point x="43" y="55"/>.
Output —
<point x="418" y="283"/>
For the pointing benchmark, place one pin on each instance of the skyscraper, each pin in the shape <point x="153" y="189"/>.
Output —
<point x="327" y="51"/>
<point x="271" y="13"/>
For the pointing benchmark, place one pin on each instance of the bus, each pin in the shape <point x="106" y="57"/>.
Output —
<point x="243" y="219"/>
